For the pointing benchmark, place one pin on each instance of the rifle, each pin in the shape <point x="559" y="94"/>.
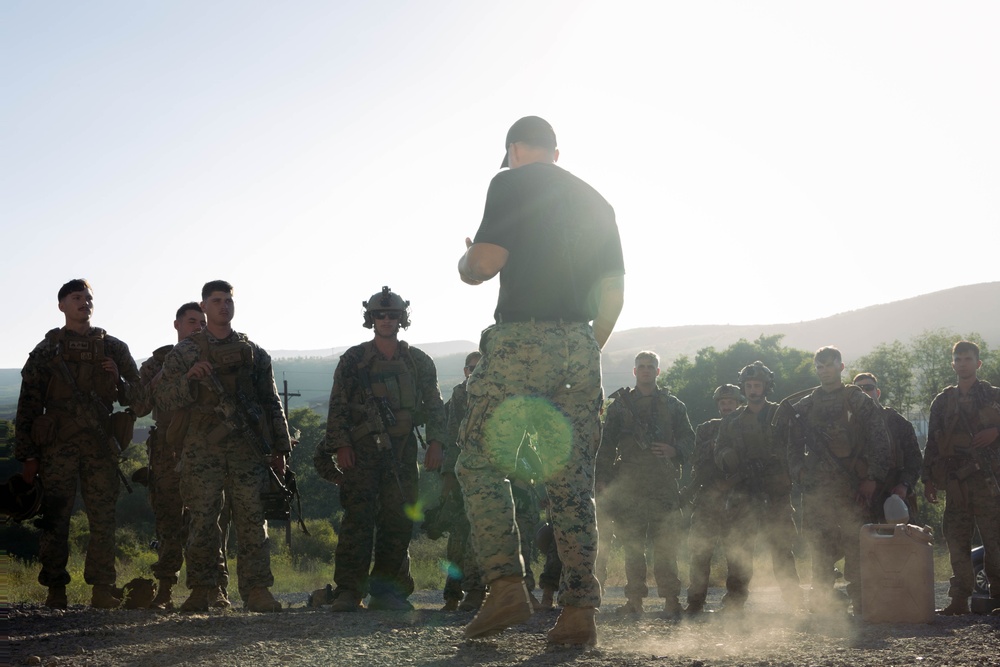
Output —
<point x="88" y="407"/>
<point x="379" y="413"/>
<point x="241" y="416"/>
<point x="981" y="460"/>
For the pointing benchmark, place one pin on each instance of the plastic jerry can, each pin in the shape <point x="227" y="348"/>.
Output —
<point x="897" y="573"/>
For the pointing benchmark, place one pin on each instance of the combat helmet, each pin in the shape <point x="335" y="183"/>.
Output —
<point x="727" y="391"/>
<point x="19" y="500"/>
<point x="386" y="300"/>
<point x="757" y="371"/>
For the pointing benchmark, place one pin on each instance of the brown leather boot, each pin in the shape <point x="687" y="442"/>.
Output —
<point x="56" y="599"/>
<point x="162" y="599"/>
<point x="506" y="604"/>
<point x="958" y="607"/>
<point x="576" y="626"/>
<point x="346" y="600"/>
<point x="103" y="596"/>
<point x="260" y="600"/>
<point x="200" y="598"/>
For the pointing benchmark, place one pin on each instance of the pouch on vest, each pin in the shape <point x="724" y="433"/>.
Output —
<point x="177" y="430"/>
<point x="123" y="427"/>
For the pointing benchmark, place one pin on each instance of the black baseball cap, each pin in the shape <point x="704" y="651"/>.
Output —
<point x="530" y="130"/>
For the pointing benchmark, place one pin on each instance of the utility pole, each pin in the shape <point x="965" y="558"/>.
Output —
<point x="285" y="394"/>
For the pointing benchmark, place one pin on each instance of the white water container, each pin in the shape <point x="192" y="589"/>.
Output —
<point x="897" y="573"/>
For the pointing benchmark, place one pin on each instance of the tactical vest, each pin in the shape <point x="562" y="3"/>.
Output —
<point x="232" y="363"/>
<point x="830" y="419"/>
<point x="964" y="416"/>
<point x="84" y="357"/>
<point x="396" y="382"/>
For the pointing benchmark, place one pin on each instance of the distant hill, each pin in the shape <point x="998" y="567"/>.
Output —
<point x="971" y="308"/>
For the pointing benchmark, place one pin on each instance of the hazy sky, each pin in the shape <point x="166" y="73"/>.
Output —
<point x="768" y="161"/>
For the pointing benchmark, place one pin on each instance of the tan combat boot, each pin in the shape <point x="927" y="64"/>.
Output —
<point x="103" y="596"/>
<point x="200" y="598"/>
<point x="632" y="607"/>
<point x="576" y="626"/>
<point x="260" y="600"/>
<point x="346" y="600"/>
<point x="56" y="599"/>
<point x="958" y="607"/>
<point x="162" y="599"/>
<point x="506" y="604"/>
<point x="221" y="599"/>
<point x="548" y="599"/>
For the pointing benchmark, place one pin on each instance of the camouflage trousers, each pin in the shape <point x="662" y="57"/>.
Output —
<point x="463" y="572"/>
<point x="965" y="510"/>
<point x="831" y="523"/>
<point x="770" y="519"/>
<point x="649" y="515"/>
<point x="85" y="465"/>
<point x="211" y="474"/>
<point x="168" y="508"/>
<point x="543" y="378"/>
<point x="710" y="526"/>
<point x="375" y="516"/>
<point x="605" y="535"/>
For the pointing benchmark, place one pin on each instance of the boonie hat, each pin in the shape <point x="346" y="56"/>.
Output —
<point x="530" y="130"/>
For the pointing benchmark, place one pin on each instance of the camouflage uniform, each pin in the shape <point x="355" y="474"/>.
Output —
<point x="710" y="522"/>
<point x="967" y="477"/>
<point x="542" y="377"/>
<point x="216" y="461"/>
<point x="905" y="458"/>
<point x="164" y="454"/>
<point x="753" y="456"/>
<point x="465" y="575"/>
<point x="645" y="485"/>
<point x="836" y="440"/>
<point x="377" y="490"/>
<point x="70" y="455"/>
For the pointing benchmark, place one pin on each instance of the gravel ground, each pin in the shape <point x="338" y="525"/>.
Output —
<point x="765" y="635"/>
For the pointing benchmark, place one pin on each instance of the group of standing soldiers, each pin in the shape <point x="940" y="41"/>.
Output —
<point x="836" y="443"/>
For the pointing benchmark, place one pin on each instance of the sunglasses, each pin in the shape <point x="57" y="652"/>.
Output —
<point x="867" y="388"/>
<point x="387" y="314"/>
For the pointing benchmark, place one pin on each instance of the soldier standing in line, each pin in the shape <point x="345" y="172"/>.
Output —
<point x="962" y="458"/>
<point x="905" y="457"/>
<point x="710" y="522"/>
<point x="647" y="438"/>
<point x="554" y="242"/>
<point x="221" y="384"/>
<point x="382" y="390"/>
<point x="64" y="434"/>
<point x="466" y="576"/>
<point x="838" y="450"/>
<point x="752" y="454"/>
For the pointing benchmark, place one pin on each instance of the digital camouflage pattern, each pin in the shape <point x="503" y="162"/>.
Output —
<point x="645" y="486"/>
<point x="971" y="501"/>
<point x="378" y="491"/>
<point x="710" y="522"/>
<point x="463" y="571"/>
<point x="211" y="467"/>
<point x="70" y="457"/>
<point x="906" y="461"/>
<point x="544" y="378"/>
<point x="836" y="440"/>
<point x="753" y="457"/>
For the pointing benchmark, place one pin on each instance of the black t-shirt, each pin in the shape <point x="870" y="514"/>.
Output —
<point x="562" y="238"/>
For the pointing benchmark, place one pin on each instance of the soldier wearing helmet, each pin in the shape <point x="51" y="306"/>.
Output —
<point x="750" y="452"/>
<point x="382" y="391"/>
<point x="710" y="522"/>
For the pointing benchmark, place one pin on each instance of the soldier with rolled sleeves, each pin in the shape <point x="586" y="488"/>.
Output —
<point x="751" y="451"/>
<point x="647" y="438"/>
<point x="962" y="458"/>
<point x="382" y="390"/>
<point x="905" y="457"/>
<point x="710" y="523"/>
<point x="838" y="451"/>
<point x="220" y="387"/>
<point x="64" y="423"/>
